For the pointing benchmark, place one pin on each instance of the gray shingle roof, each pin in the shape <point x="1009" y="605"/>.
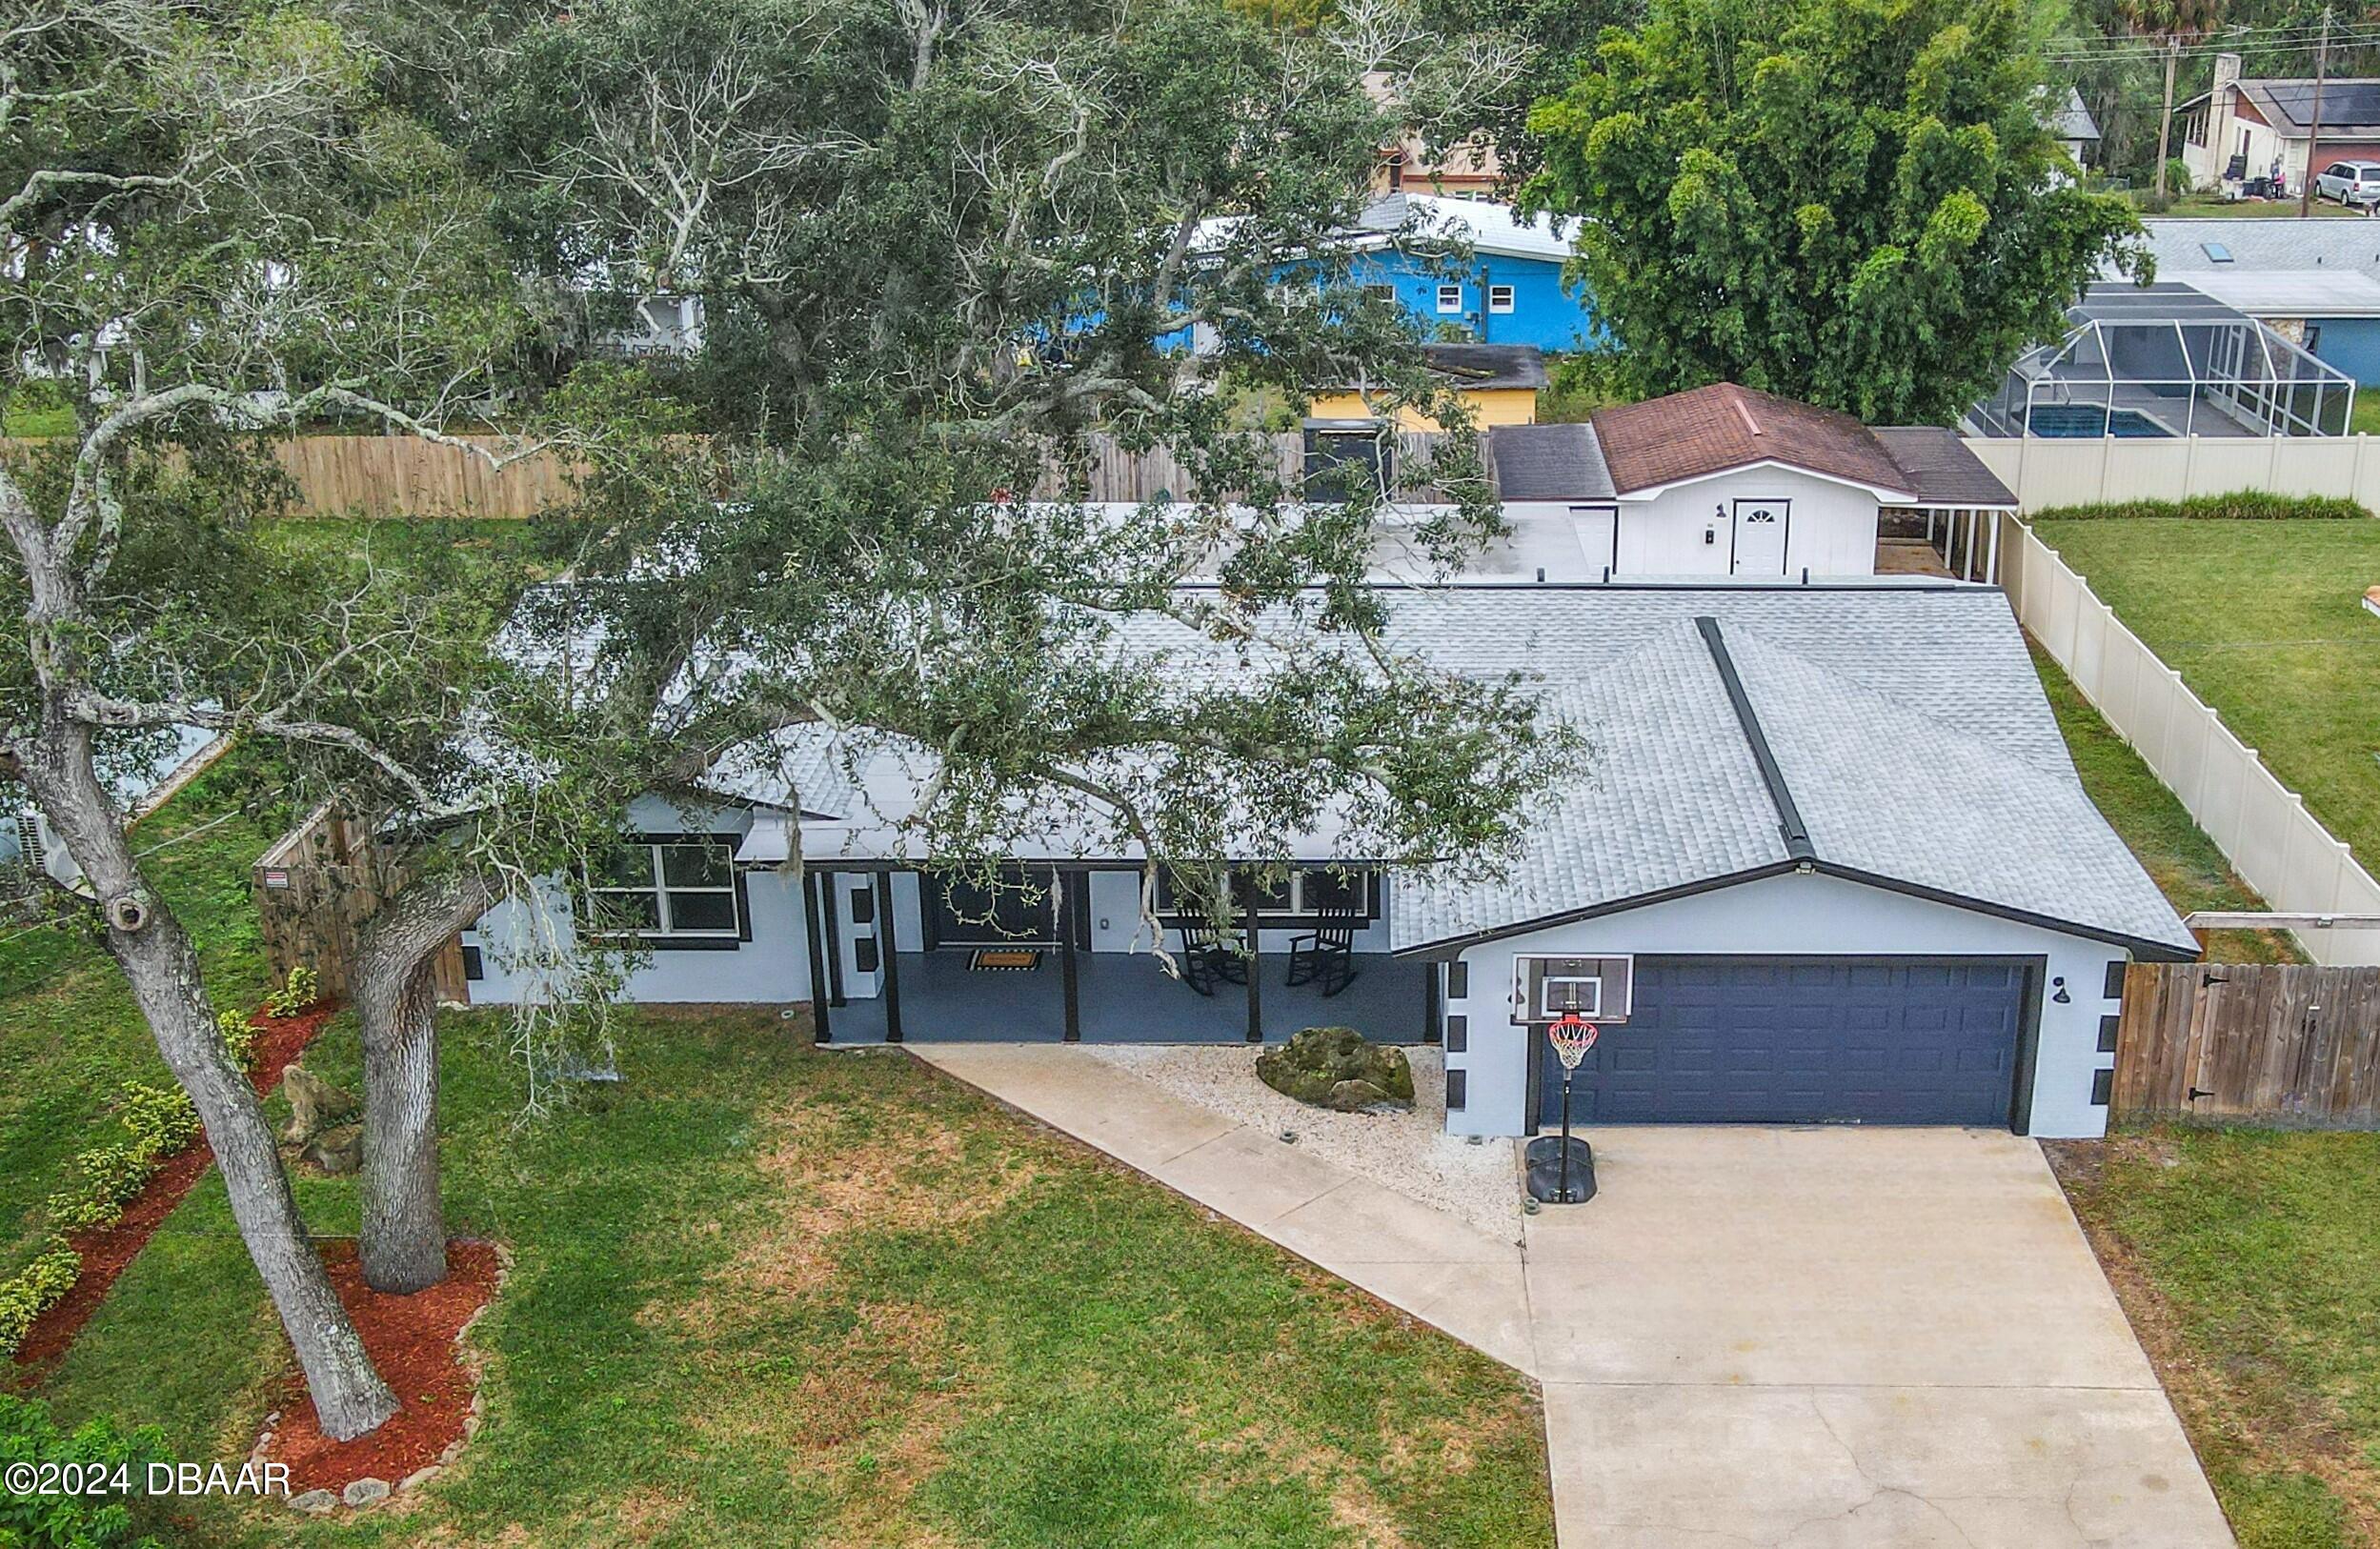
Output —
<point x="1940" y="468"/>
<point x="1908" y="725"/>
<point x="2180" y="246"/>
<point x="1548" y="462"/>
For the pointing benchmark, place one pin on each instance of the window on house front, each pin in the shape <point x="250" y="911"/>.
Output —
<point x="670" y="888"/>
<point x="1500" y="298"/>
<point x="1303" y="893"/>
<point x="1385" y="296"/>
<point x="1450" y="298"/>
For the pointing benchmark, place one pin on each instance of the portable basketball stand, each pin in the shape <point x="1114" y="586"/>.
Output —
<point x="1561" y="1170"/>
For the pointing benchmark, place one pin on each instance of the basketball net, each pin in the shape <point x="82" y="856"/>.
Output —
<point x="1572" y="1035"/>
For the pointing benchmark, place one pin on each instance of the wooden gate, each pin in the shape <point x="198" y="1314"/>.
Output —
<point x="2290" y="1043"/>
<point x="317" y="883"/>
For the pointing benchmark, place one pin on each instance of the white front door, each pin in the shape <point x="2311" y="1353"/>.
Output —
<point x="1760" y="537"/>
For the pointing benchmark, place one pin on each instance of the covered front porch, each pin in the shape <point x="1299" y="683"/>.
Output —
<point x="1070" y="963"/>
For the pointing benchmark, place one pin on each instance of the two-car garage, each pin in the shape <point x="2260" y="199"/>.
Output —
<point x="1760" y="1040"/>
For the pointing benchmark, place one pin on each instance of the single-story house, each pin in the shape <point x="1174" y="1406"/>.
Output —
<point x="2077" y="131"/>
<point x="1496" y="382"/>
<point x="2260" y="130"/>
<point x="1511" y="290"/>
<point x="1824" y="860"/>
<point x="2315" y="283"/>
<point x="1724" y="480"/>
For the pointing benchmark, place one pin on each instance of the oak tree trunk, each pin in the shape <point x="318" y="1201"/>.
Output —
<point x="162" y="968"/>
<point x="404" y="1222"/>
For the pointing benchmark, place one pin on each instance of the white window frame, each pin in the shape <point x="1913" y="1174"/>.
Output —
<point x="1450" y="298"/>
<point x="1499" y="301"/>
<point x="660" y="889"/>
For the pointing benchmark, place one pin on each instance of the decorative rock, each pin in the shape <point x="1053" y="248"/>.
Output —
<point x="315" y="1104"/>
<point x="1338" y="1068"/>
<point x="337" y="1152"/>
<point x="364" y="1492"/>
<point x="451" y="1451"/>
<point x="418" y="1478"/>
<point x="315" y="1502"/>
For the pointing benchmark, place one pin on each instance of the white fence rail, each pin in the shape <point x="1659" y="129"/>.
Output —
<point x="2273" y="842"/>
<point x="2046" y="472"/>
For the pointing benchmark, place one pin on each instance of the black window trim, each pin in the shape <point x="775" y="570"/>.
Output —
<point x="1277" y="919"/>
<point x="712" y="941"/>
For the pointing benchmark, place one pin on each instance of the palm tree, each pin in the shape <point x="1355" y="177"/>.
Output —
<point x="2171" y="20"/>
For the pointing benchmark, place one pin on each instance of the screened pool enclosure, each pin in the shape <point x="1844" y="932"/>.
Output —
<point x="2167" y="360"/>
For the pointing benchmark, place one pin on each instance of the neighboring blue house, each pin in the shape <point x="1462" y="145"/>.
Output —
<point x="2317" y="283"/>
<point x="1509" y="293"/>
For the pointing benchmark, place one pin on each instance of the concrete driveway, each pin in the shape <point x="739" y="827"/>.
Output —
<point x="1841" y="1337"/>
<point x="1824" y="1339"/>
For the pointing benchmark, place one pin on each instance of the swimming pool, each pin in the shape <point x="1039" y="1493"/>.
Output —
<point x="2080" y="421"/>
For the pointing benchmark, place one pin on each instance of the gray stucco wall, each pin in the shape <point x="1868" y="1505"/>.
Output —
<point x="1786" y="915"/>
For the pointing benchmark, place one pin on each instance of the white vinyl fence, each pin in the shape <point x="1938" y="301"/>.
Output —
<point x="2263" y="826"/>
<point x="2045" y="472"/>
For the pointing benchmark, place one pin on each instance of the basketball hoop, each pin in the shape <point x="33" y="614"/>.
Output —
<point x="1572" y="1035"/>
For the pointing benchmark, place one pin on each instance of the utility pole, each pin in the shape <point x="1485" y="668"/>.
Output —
<point x="2165" y="120"/>
<point x="2313" y="125"/>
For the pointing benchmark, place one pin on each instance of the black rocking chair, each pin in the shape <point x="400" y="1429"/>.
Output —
<point x="1325" y="955"/>
<point x="1206" y="961"/>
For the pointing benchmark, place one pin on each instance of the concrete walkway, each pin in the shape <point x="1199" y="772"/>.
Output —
<point x="1895" y="1339"/>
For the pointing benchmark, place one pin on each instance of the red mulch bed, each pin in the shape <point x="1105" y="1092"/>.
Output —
<point x="107" y="1250"/>
<point x="413" y="1342"/>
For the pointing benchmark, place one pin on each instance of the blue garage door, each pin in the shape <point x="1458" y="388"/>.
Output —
<point x="1718" y="1040"/>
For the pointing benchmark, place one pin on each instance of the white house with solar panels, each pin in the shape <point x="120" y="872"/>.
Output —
<point x="1826" y="860"/>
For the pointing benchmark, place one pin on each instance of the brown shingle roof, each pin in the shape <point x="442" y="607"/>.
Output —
<point x="1713" y="429"/>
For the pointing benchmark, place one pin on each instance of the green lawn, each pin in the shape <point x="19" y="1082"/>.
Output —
<point x="2250" y="1262"/>
<point x="2203" y="206"/>
<point x="2170" y="844"/>
<point x="2265" y="621"/>
<point x="70" y="1033"/>
<point x="2364" y="419"/>
<point x="767" y="1296"/>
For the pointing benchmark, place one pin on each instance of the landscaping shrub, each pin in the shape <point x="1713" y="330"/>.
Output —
<point x="299" y="991"/>
<point x="157" y="1122"/>
<point x="2238" y="506"/>
<point x="240" y="1033"/>
<point x="97" y="1520"/>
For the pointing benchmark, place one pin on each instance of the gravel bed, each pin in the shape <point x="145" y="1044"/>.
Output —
<point x="1408" y="1151"/>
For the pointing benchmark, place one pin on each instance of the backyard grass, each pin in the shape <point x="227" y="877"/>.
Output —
<point x="2250" y="1263"/>
<point x="2364" y="419"/>
<point x="2169" y="845"/>
<point x="768" y="1295"/>
<point x="70" y="1033"/>
<point x="2265" y="621"/>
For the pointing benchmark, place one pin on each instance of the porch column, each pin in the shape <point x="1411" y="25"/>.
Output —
<point x="827" y="904"/>
<point x="1991" y="554"/>
<point x="1256" y="967"/>
<point x="812" y="896"/>
<point x="891" y="950"/>
<point x="1067" y="905"/>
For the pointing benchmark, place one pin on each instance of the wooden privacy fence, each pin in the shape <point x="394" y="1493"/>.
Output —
<point x="2294" y="1044"/>
<point x="399" y="475"/>
<point x="314" y="887"/>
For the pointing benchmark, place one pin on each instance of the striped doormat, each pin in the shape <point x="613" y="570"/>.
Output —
<point x="1005" y="960"/>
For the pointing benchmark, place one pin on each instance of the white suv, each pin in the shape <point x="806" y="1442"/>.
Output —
<point x="2349" y="183"/>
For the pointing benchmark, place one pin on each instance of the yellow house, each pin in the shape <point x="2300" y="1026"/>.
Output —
<point x="1498" y="381"/>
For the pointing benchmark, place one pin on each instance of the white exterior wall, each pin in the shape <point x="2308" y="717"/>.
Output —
<point x="1816" y="915"/>
<point x="1831" y="529"/>
<point x="770" y="969"/>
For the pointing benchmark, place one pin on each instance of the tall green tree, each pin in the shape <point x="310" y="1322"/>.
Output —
<point x="1854" y="202"/>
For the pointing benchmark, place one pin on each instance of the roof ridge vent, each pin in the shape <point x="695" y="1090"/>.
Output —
<point x="1744" y="409"/>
